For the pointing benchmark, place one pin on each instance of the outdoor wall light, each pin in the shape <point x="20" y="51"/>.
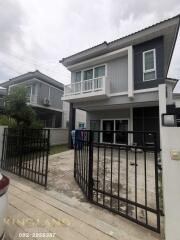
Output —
<point x="169" y="120"/>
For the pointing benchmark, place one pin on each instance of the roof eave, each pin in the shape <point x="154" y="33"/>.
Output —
<point x="117" y="43"/>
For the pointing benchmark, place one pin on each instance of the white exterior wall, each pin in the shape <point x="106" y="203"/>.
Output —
<point x="80" y="115"/>
<point x="170" y="142"/>
<point x="117" y="74"/>
<point x="65" y="114"/>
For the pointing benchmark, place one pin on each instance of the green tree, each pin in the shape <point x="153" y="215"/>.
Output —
<point x="17" y="109"/>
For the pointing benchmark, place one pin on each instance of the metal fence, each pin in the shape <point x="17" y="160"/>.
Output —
<point x="25" y="153"/>
<point x="122" y="178"/>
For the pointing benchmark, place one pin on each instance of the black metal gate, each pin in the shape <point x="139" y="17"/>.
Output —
<point x="25" y="153"/>
<point x="119" y="177"/>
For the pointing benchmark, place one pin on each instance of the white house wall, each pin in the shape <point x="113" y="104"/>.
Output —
<point x="142" y="98"/>
<point x="117" y="74"/>
<point x="80" y="115"/>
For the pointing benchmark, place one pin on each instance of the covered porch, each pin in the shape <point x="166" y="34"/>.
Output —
<point x="49" y="118"/>
<point x="122" y="118"/>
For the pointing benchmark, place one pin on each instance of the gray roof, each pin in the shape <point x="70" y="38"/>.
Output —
<point x="168" y="28"/>
<point x="36" y="74"/>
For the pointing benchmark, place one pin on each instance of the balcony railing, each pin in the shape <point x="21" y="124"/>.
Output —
<point x="86" y="86"/>
<point x="32" y="99"/>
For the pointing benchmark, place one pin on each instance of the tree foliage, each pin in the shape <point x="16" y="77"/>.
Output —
<point x="17" y="109"/>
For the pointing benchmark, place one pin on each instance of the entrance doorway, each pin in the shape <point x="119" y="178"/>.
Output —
<point x="109" y="128"/>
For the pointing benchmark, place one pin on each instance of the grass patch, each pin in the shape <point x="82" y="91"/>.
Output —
<point x="58" y="149"/>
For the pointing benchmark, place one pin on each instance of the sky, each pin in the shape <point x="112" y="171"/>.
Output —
<point x="36" y="34"/>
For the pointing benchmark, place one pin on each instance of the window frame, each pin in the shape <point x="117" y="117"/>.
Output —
<point x="93" y="68"/>
<point x="152" y="69"/>
<point x="114" y="120"/>
<point x="76" y="75"/>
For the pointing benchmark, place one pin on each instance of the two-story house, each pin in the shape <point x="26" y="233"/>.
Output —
<point x="117" y="83"/>
<point x="44" y="95"/>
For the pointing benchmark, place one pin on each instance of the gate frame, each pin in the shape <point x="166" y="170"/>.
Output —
<point x="22" y="156"/>
<point x="90" y="183"/>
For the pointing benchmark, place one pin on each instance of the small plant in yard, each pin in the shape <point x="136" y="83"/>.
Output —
<point x="20" y="114"/>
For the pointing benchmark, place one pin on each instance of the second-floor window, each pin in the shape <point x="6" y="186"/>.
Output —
<point x="99" y="71"/>
<point x="149" y="65"/>
<point x="88" y="74"/>
<point x="78" y="77"/>
<point x="95" y="72"/>
<point x="89" y="80"/>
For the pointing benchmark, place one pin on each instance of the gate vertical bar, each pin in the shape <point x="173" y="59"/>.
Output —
<point x="3" y="149"/>
<point x="75" y="153"/>
<point x="90" y="180"/>
<point x="156" y="182"/>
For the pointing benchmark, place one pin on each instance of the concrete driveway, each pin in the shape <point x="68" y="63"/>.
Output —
<point x="63" y="210"/>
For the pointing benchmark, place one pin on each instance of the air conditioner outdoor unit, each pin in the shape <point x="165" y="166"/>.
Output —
<point x="46" y="102"/>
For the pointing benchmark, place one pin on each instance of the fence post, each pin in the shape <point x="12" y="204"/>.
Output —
<point x="90" y="180"/>
<point x="47" y="156"/>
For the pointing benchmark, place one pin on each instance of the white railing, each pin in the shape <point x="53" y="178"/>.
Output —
<point x="86" y="86"/>
<point x="32" y="99"/>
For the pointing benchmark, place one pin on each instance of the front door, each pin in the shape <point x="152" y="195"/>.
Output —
<point x="108" y="126"/>
<point x="121" y="137"/>
<point x="110" y="135"/>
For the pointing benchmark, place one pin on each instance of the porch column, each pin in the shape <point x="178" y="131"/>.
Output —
<point x="162" y="106"/>
<point x="72" y="119"/>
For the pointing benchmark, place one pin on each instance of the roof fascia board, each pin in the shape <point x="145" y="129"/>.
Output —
<point x="105" y="57"/>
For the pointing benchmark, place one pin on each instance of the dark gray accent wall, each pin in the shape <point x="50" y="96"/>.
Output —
<point x="146" y="119"/>
<point x="158" y="44"/>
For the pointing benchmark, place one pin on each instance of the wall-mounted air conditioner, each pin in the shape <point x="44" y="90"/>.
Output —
<point x="46" y="102"/>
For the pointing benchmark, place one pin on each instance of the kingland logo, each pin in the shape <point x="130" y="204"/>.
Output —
<point x="28" y="222"/>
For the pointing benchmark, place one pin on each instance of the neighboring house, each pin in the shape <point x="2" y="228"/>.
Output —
<point x="2" y="100"/>
<point x="117" y="83"/>
<point x="44" y="95"/>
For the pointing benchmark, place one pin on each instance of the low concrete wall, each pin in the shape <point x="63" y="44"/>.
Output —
<point x="58" y="136"/>
<point x="170" y="142"/>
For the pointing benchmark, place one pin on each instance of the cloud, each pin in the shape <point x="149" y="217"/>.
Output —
<point x="161" y="9"/>
<point x="10" y="24"/>
<point x="36" y="34"/>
